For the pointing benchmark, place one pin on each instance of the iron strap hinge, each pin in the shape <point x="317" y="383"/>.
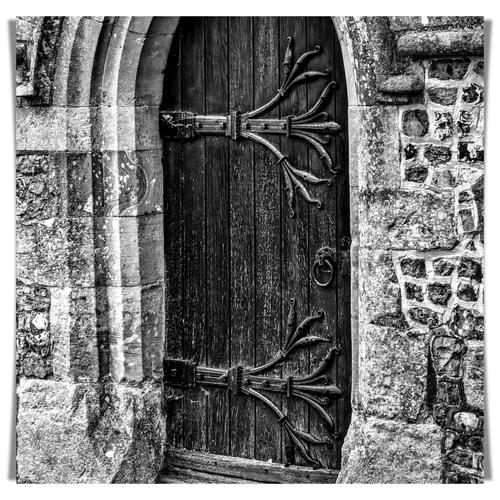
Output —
<point x="181" y="125"/>
<point x="313" y="126"/>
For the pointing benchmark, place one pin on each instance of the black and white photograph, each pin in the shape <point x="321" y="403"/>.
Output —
<point x="250" y="249"/>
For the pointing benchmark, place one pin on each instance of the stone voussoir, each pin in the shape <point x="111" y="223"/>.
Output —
<point x="442" y="43"/>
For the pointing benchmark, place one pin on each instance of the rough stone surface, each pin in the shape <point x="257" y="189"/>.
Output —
<point x="90" y="248"/>
<point x="88" y="433"/>
<point x="376" y="149"/>
<point x="435" y="43"/>
<point x="393" y="373"/>
<point x="40" y="186"/>
<point x="378" y="283"/>
<point x="473" y="378"/>
<point x="401" y="84"/>
<point x="394" y="219"/>
<point x="415" y="123"/>
<point x="390" y="451"/>
<point x="34" y="356"/>
<point x="442" y="95"/>
<point x="448" y="69"/>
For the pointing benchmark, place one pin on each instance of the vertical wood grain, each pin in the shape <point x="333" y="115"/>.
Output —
<point x="218" y="278"/>
<point x="173" y="234"/>
<point x="193" y="213"/>
<point x="267" y="234"/>
<point x="294" y="245"/>
<point x="323" y="228"/>
<point x="343" y="248"/>
<point x="242" y="414"/>
<point x="234" y="258"/>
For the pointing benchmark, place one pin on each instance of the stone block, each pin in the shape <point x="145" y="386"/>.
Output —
<point x="467" y="323"/>
<point x="149" y="82"/>
<point x="80" y="236"/>
<point x="390" y="451"/>
<point x="107" y="251"/>
<point x="473" y="94"/>
<point x="127" y="183"/>
<point x="149" y="187"/>
<point x="455" y="42"/>
<point x="376" y="148"/>
<point x="132" y="335"/>
<point x="56" y="252"/>
<point x="79" y="184"/>
<point x="40" y="186"/>
<point x="401" y="84"/>
<point x="74" y="334"/>
<point x="78" y="131"/>
<point x="40" y="129"/>
<point x="129" y="250"/>
<point x="378" y="286"/>
<point x="130" y="329"/>
<point x="133" y="43"/>
<point x="466" y="422"/>
<point x="416" y="173"/>
<point x="153" y="330"/>
<point x="369" y="59"/>
<point x="392" y="373"/>
<point x="473" y="377"/>
<point x="89" y="433"/>
<point x="442" y="124"/>
<point x="448" y="69"/>
<point x="147" y="128"/>
<point x="437" y="155"/>
<point x="446" y="96"/>
<point x="34" y="356"/>
<point x="42" y="252"/>
<point x="407" y="220"/>
<point x="447" y="353"/>
<point x="83" y="348"/>
<point x="415" y="123"/>
<point x="78" y="79"/>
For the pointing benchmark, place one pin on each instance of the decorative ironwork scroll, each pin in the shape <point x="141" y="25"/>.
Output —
<point x="313" y="126"/>
<point x="316" y="389"/>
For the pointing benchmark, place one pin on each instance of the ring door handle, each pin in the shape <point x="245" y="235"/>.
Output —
<point x="323" y="268"/>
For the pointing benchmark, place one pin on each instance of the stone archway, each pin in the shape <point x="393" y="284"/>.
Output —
<point x="90" y="251"/>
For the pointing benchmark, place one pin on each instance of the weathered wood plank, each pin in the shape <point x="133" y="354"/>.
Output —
<point x="267" y="235"/>
<point x="323" y="230"/>
<point x="173" y="231"/>
<point x="237" y="258"/>
<point x="193" y="205"/>
<point x="218" y="239"/>
<point x="343" y="265"/>
<point x="242" y="211"/>
<point x="294" y="246"/>
<point x="181" y="475"/>
<point x="248" y="469"/>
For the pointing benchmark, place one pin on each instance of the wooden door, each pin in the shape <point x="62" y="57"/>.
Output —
<point x="246" y="282"/>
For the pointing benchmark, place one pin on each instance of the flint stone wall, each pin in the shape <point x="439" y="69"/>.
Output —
<point x="91" y="320"/>
<point x="417" y="133"/>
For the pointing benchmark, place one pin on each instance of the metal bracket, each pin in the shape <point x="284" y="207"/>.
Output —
<point x="315" y="389"/>
<point x="314" y="126"/>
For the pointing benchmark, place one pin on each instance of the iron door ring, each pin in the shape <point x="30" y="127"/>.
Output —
<point x="323" y="264"/>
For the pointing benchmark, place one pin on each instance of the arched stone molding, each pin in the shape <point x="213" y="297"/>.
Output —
<point x="108" y="83"/>
<point x="90" y="244"/>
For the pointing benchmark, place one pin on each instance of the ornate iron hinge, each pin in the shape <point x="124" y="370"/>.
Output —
<point x="313" y="126"/>
<point x="316" y="389"/>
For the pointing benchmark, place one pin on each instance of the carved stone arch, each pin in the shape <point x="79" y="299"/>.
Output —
<point x="90" y="251"/>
